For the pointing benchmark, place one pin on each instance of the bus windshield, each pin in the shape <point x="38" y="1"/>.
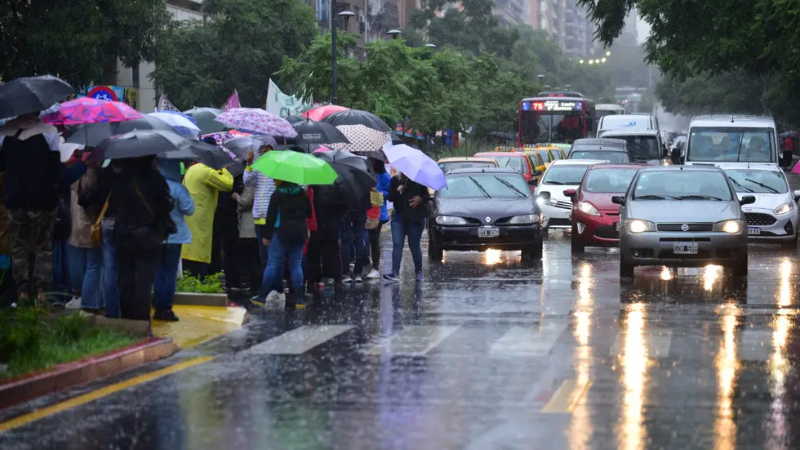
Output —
<point x="537" y="127"/>
<point x="731" y="145"/>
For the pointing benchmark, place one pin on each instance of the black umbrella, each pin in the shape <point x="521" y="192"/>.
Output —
<point x="92" y="134"/>
<point x="28" y="95"/>
<point x="355" y="176"/>
<point x="313" y="132"/>
<point x="357" y="117"/>
<point x="210" y="155"/>
<point x="295" y="119"/>
<point x="139" y="143"/>
<point x="298" y="148"/>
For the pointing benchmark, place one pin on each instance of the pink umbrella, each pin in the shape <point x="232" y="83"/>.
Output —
<point x="90" y="110"/>
<point x="321" y="149"/>
<point x="257" y="121"/>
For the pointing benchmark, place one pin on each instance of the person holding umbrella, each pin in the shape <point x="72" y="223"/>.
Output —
<point x="383" y="181"/>
<point x="264" y="188"/>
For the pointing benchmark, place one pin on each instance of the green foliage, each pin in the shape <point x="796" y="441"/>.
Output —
<point x="238" y="46"/>
<point x="212" y="284"/>
<point x="19" y="332"/>
<point x="80" y="41"/>
<point x="707" y="93"/>
<point x="70" y="327"/>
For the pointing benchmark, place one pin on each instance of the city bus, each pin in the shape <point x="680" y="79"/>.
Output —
<point x="556" y="118"/>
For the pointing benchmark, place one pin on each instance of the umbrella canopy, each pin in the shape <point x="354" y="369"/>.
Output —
<point x="311" y="148"/>
<point x="181" y="123"/>
<point x="362" y="139"/>
<point x="89" y="110"/>
<point x="294" y="119"/>
<point x="241" y="145"/>
<point x="206" y="119"/>
<point x="354" y="174"/>
<point x="357" y="117"/>
<point x="416" y="165"/>
<point x="295" y="167"/>
<point x="210" y="155"/>
<point x="139" y="143"/>
<point x="313" y="132"/>
<point x="28" y="95"/>
<point x="92" y="134"/>
<point x="320" y="112"/>
<point x="258" y="121"/>
<point x="786" y="134"/>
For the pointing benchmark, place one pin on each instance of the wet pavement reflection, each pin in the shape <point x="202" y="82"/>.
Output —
<point x="488" y="353"/>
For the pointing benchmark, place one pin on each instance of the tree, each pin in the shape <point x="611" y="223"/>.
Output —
<point x="707" y="93"/>
<point x="80" y="41"/>
<point x="239" y="45"/>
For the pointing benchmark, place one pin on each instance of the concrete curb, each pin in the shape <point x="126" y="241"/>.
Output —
<point x="28" y="387"/>
<point x="197" y="299"/>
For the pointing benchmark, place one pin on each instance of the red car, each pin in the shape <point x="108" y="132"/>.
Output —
<point x="594" y="217"/>
<point x="517" y="161"/>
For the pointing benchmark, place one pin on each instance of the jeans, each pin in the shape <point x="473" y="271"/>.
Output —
<point x="137" y="275"/>
<point x="352" y="233"/>
<point x="263" y="250"/>
<point x="167" y="277"/>
<point x="110" y="282"/>
<point x="401" y="229"/>
<point x="61" y="283"/>
<point x="278" y="251"/>
<point x="85" y="270"/>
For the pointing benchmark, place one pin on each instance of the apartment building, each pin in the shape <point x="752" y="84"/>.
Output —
<point x="511" y="13"/>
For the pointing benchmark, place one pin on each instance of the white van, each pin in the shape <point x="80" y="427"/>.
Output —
<point x="626" y="122"/>
<point x="646" y="146"/>
<point x="717" y="139"/>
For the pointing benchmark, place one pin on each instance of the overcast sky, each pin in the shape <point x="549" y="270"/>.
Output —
<point x="642" y="30"/>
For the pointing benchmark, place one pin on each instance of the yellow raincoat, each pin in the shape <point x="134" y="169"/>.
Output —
<point x="204" y="184"/>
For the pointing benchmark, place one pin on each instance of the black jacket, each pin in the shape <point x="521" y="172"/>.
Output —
<point x="289" y="208"/>
<point x="32" y="173"/>
<point x="400" y="201"/>
<point x="226" y="218"/>
<point x="142" y="200"/>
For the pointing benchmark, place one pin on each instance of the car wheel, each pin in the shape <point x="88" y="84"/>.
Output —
<point x="740" y="269"/>
<point x="532" y="252"/>
<point x="625" y="269"/>
<point x="545" y="233"/>
<point x="577" y="244"/>
<point x="435" y="254"/>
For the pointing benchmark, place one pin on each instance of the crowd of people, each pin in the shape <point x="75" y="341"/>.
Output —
<point x="122" y="230"/>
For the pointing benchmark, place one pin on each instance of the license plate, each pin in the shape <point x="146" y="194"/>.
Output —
<point x="488" y="232"/>
<point x="754" y="231"/>
<point x="685" y="248"/>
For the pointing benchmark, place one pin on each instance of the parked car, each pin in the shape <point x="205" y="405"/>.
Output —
<point x="773" y="216"/>
<point x="594" y="215"/>
<point x="682" y="216"/>
<point x="560" y="176"/>
<point x="485" y="208"/>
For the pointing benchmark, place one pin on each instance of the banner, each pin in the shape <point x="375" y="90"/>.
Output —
<point x="283" y="105"/>
<point x="164" y="104"/>
<point x="233" y="101"/>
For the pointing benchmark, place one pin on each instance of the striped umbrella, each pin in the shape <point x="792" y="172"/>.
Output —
<point x="362" y="139"/>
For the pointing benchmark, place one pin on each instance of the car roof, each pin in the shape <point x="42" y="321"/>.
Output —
<point x="465" y="159"/>
<point x="633" y="132"/>
<point x="732" y="121"/>
<point x="490" y="154"/>
<point x="739" y="166"/>
<point x="615" y="166"/>
<point x="482" y="170"/>
<point x="699" y="168"/>
<point x="577" y="162"/>
<point x="591" y="142"/>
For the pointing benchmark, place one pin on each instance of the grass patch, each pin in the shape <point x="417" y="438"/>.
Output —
<point x="211" y="284"/>
<point x="30" y="342"/>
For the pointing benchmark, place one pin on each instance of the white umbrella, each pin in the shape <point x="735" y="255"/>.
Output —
<point x="178" y="122"/>
<point x="362" y="139"/>
<point x="416" y="165"/>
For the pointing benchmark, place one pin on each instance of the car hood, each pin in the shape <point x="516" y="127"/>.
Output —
<point x="601" y="201"/>
<point x="481" y="208"/>
<point x="680" y="211"/>
<point x="766" y="201"/>
<point x="556" y="191"/>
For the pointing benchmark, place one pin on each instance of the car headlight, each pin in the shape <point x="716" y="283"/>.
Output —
<point x="450" y="220"/>
<point x="588" y="208"/>
<point x="729" y="226"/>
<point x="784" y="208"/>
<point x="639" y="226"/>
<point x="523" y="220"/>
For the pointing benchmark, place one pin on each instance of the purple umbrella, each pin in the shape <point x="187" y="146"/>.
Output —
<point x="416" y="165"/>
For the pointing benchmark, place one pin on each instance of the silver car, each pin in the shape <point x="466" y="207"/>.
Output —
<point x="682" y="216"/>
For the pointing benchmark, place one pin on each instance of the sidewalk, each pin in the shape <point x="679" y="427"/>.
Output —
<point x="199" y="324"/>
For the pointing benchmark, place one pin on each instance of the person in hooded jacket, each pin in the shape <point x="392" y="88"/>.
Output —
<point x="352" y="235"/>
<point x="411" y="202"/>
<point x="225" y="243"/>
<point x="250" y="264"/>
<point x="382" y="185"/>
<point x="323" y="258"/>
<point x="167" y="275"/>
<point x="285" y="233"/>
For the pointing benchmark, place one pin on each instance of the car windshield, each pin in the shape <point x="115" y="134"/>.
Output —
<point x="557" y="155"/>
<point x="758" y="181"/>
<point x="608" y="180"/>
<point x="614" y="157"/>
<point x="565" y="174"/>
<point x="511" y="162"/>
<point x="485" y="185"/>
<point x="682" y="185"/>
<point x="452" y="165"/>
<point x="544" y="154"/>
<point x="643" y="148"/>
<point x="731" y="144"/>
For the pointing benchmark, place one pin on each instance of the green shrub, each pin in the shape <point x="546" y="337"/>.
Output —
<point x="19" y="332"/>
<point x="212" y="284"/>
<point x="70" y="327"/>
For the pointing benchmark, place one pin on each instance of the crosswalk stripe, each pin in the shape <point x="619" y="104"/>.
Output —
<point x="536" y="340"/>
<point x="299" y="340"/>
<point x="414" y="340"/>
<point x="756" y="345"/>
<point x="657" y="341"/>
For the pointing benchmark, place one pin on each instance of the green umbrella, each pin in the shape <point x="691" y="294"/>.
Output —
<point x="205" y="119"/>
<point x="295" y="167"/>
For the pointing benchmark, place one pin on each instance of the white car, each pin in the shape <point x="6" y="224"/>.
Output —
<point x="774" y="215"/>
<point x="560" y="176"/>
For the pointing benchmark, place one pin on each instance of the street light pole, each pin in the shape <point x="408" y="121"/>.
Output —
<point x="334" y="74"/>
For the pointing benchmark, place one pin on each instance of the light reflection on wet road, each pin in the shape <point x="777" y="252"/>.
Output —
<point x="488" y="353"/>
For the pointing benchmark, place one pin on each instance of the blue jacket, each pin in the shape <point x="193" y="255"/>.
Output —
<point x="383" y="187"/>
<point x="184" y="204"/>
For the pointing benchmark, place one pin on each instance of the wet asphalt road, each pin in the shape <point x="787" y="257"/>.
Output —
<point x="487" y="353"/>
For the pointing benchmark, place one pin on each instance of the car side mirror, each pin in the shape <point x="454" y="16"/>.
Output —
<point x="620" y="200"/>
<point x="533" y="182"/>
<point x="747" y="200"/>
<point x="796" y="195"/>
<point x="570" y="192"/>
<point x="543" y="196"/>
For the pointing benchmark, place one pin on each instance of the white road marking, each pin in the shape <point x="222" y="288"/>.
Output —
<point x="414" y="340"/>
<point x="535" y="340"/>
<point x="299" y="340"/>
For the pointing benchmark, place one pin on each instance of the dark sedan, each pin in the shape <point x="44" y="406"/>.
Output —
<point x="482" y="209"/>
